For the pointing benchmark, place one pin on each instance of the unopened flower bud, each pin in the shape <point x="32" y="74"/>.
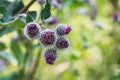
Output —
<point x="62" y="43"/>
<point x="63" y="29"/>
<point x="32" y="30"/>
<point x="50" y="56"/>
<point x="48" y="37"/>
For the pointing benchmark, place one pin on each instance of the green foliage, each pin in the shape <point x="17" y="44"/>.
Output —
<point x="14" y="23"/>
<point x="33" y="14"/>
<point x="94" y="52"/>
<point x="6" y="15"/>
<point x="13" y="76"/>
<point x="16" y="6"/>
<point x="29" y="18"/>
<point x="8" y="57"/>
<point x="2" y="46"/>
<point x="45" y="13"/>
<point x="7" y="30"/>
<point x="17" y="52"/>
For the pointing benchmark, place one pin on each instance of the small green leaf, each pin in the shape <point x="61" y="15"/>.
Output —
<point x="6" y="15"/>
<point x="29" y="18"/>
<point x="16" y="6"/>
<point x="45" y="13"/>
<point x="7" y="30"/>
<point x="2" y="46"/>
<point x="15" y="48"/>
<point x="75" y="56"/>
<point x="33" y="14"/>
<point x="1" y="16"/>
<point x="4" y="3"/>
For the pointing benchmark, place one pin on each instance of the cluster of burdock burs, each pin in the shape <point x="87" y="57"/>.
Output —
<point x="53" y="40"/>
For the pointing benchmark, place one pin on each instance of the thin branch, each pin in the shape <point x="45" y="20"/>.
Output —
<point x="35" y="66"/>
<point x="28" y="52"/>
<point x="26" y="7"/>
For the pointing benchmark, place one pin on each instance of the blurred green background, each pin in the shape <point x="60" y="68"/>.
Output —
<point x="94" y="52"/>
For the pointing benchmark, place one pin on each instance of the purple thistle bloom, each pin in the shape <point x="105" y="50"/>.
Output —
<point x="48" y="37"/>
<point x="63" y="29"/>
<point x="62" y="43"/>
<point x="68" y="29"/>
<point x="50" y="56"/>
<point x="32" y="30"/>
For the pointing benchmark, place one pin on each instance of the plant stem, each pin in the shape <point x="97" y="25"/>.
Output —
<point x="23" y="67"/>
<point x="26" y="7"/>
<point x="28" y="52"/>
<point x="35" y="66"/>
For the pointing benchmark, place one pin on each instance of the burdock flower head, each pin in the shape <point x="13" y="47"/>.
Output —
<point x="32" y="30"/>
<point x="63" y="29"/>
<point x="62" y="43"/>
<point x="50" y="56"/>
<point x="48" y="37"/>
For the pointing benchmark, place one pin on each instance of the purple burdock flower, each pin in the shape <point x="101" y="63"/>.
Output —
<point x="116" y="17"/>
<point x="67" y="30"/>
<point x="50" y="56"/>
<point x="63" y="29"/>
<point x="52" y="20"/>
<point x="32" y="30"/>
<point x="62" y="43"/>
<point x="47" y="37"/>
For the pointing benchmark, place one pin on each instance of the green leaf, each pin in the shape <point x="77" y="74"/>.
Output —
<point x="6" y="15"/>
<point x="33" y="14"/>
<point x="2" y="46"/>
<point x="15" y="48"/>
<point x="74" y="56"/>
<point x="45" y="13"/>
<point x="12" y="76"/>
<point x="4" y="3"/>
<point x="7" y="19"/>
<point x="8" y="56"/>
<point x="16" y="23"/>
<point x="7" y="30"/>
<point x="29" y="18"/>
<point x="1" y="16"/>
<point x="16" y="6"/>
